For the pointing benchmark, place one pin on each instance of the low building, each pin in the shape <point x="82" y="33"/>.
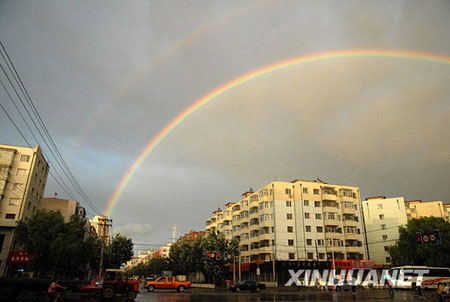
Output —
<point x="418" y="209"/>
<point x="383" y="217"/>
<point x="67" y="208"/>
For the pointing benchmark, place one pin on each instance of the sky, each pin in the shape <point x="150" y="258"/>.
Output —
<point x="108" y="76"/>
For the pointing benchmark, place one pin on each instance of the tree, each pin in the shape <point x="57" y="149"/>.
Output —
<point x="118" y="252"/>
<point x="58" y="247"/>
<point x="407" y="252"/>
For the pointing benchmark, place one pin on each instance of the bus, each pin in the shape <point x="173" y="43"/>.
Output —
<point x="431" y="279"/>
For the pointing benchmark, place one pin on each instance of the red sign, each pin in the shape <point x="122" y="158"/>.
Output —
<point x="19" y="257"/>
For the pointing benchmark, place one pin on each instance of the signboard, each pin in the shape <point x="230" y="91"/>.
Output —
<point x="19" y="257"/>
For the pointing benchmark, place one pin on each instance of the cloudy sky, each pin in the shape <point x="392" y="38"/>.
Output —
<point x="107" y="76"/>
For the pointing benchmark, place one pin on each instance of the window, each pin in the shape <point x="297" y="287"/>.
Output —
<point x="18" y="187"/>
<point x="10" y="216"/>
<point x="288" y="203"/>
<point x="290" y="229"/>
<point x="310" y="255"/>
<point x="383" y="226"/>
<point x="319" y="229"/>
<point x="287" y="191"/>
<point x="291" y="256"/>
<point x="316" y="191"/>
<point x="381" y="216"/>
<point x="385" y="237"/>
<point x="318" y="216"/>
<point x="21" y="172"/>
<point x="289" y="216"/>
<point x="2" y="239"/>
<point x="308" y="228"/>
<point x="321" y="255"/>
<point x="320" y="242"/>
<point x="306" y="215"/>
<point x="317" y="204"/>
<point x="380" y="206"/>
<point x="388" y="259"/>
<point x="14" y="201"/>
<point x="291" y="242"/>
<point x="305" y="190"/>
<point x="347" y="192"/>
<point x="25" y="158"/>
<point x="386" y="248"/>
<point x="308" y="241"/>
<point x="306" y="203"/>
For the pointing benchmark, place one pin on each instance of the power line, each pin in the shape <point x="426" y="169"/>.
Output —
<point x="58" y="157"/>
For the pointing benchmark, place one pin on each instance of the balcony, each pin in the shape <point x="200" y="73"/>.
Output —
<point x="266" y="249"/>
<point x="4" y="172"/>
<point x="328" y="221"/>
<point x="6" y="157"/>
<point x="244" y="241"/>
<point x="353" y="249"/>
<point x="326" y="196"/>
<point x="266" y="236"/>
<point x="348" y="210"/>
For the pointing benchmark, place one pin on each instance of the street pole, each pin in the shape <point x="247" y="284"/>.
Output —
<point x="239" y="260"/>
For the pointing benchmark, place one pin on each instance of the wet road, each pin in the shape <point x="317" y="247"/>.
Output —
<point x="196" y="295"/>
<point x="307" y="295"/>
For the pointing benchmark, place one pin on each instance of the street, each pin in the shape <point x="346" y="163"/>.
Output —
<point x="195" y="295"/>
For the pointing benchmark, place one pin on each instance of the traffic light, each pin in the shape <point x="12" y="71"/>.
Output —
<point x="217" y="255"/>
<point x="419" y="239"/>
<point x="437" y="236"/>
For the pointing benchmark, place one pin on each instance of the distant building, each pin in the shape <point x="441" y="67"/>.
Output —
<point x="418" y="209"/>
<point x="101" y="227"/>
<point x="23" y="175"/>
<point x="383" y="217"/>
<point x="164" y="250"/>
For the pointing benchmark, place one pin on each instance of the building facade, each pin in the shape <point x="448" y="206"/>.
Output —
<point x="418" y="209"/>
<point x="295" y="221"/>
<point x="23" y="176"/>
<point x="101" y="226"/>
<point x="383" y="217"/>
<point x="67" y="207"/>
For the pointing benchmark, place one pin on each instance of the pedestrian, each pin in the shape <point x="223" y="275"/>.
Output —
<point x="447" y="289"/>
<point x="52" y="290"/>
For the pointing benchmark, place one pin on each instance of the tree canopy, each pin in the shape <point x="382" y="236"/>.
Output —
<point x="63" y="248"/>
<point x="407" y="252"/>
<point x="118" y="252"/>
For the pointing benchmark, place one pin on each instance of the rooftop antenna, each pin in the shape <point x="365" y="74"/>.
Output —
<point x="250" y="189"/>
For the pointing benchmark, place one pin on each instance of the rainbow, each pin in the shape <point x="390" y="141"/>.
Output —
<point x="213" y="95"/>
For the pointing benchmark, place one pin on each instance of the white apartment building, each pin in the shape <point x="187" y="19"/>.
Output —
<point x="23" y="175"/>
<point x="383" y="217"/>
<point x="299" y="220"/>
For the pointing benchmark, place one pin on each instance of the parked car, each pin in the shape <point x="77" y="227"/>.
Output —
<point x="167" y="283"/>
<point x="250" y="285"/>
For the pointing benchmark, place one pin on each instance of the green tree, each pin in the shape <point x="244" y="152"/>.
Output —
<point x="407" y="252"/>
<point x="59" y="247"/>
<point x="156" y="265"/>
<point x="218" y="268"/>
<point x="118" y="252"/>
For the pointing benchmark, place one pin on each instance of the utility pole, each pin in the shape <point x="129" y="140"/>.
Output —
<point x="104" y="223"/>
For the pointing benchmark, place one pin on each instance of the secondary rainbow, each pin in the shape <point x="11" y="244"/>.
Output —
<point x="197" y="105"/>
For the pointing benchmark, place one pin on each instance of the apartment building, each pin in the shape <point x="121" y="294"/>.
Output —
<point x="294" y="221"/>
<point x="383" y="217"/>
<point x="418" y="209"/>
<point x="23" y="175"/>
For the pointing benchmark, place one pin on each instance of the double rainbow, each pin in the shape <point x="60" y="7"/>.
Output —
<point x="213" y="95"/>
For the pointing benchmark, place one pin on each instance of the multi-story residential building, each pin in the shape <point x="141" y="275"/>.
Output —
<point x="382" y="218"/>
<point x="299" y="220"/>
<point x="418" y="209"/>
<point x="23" y="175"/>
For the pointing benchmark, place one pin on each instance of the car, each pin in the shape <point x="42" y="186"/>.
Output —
<point x="250" y="285"/>
<point x="167" y="282"/>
